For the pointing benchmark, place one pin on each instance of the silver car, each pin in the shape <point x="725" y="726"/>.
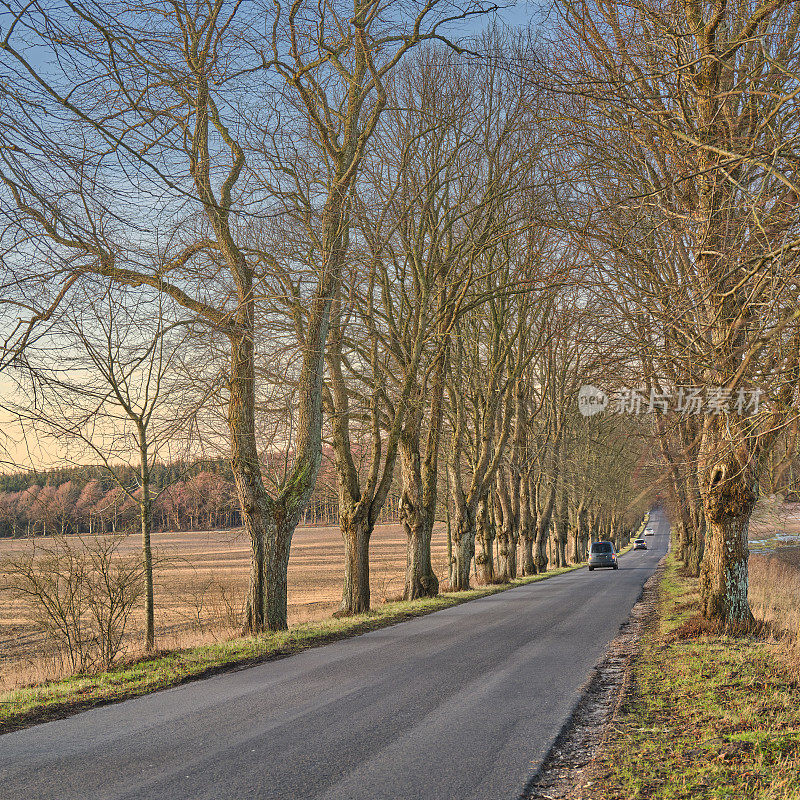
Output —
<point x="601" y="554"/>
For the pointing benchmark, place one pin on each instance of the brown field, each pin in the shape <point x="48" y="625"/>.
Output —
<point x="201" y="582"/>
<point x="775" y="565"/>
<point x="775" y="589"/>
<point x="775" y="522"/>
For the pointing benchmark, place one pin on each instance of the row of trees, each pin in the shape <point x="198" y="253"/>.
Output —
<point x="684" y="125"/>
<point x="206" y="500"/>
<point x="162" y="474"/>
<point x="338" y="227"/>
<point x="249" y="230"/>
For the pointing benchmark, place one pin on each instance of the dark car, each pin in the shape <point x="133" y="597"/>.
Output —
<point x="601" y="554"/>
<point x="639" y="544"/>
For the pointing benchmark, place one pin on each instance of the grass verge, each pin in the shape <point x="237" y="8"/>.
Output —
<point x="56" y="699"/>
<point x="711" y="716"/>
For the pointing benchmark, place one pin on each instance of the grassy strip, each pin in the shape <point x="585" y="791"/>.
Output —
<point x="711" y="716"/>
<point x="56" y="699"/>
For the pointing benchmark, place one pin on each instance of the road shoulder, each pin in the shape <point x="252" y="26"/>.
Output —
<point x="32" y="705"/>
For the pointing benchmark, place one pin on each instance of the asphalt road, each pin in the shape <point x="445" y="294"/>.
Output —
<point x="457" y="705"/>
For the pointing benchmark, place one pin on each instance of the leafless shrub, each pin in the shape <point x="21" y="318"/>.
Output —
<point x="207" y="603"/>
<point x="80" y="592"/>
<point x="388" y="586"/>
<point x="194" y="602"/>
<point x="229" y="605"/>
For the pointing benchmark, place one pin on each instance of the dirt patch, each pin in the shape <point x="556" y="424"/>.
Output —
<point x="569" y="769"/>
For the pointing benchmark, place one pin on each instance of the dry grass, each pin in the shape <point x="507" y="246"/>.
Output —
<point x="200" y="589"/>
<point x="775" y="590"/>
<point x="711" y="716"/>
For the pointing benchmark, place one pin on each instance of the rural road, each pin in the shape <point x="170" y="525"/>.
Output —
<point x="457" y="705"/>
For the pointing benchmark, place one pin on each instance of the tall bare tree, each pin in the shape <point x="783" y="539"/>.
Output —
<point x="147" y="109"/>
<point x="100" y="379"/>
<point x="689" y="113"/>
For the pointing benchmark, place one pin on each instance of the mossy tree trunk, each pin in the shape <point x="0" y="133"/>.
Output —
<point x="727" y="477"/>
<point x="486" y="533"/>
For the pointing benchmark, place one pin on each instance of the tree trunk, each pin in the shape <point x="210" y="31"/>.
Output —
<point x="463" y="548"/>
<point x="584" y="535"/>
<point x="507" y="500"/>
<point x="500" y="518"/>
<point x="574" y="535"/>
<point x="484" y="558"/>
<point x="417" y="519"/>
<point x="697" y="541"/>
<point x="356" y="532"/>
<point x="149" y="613"/>
<point x="562" y="524"/>
<point x="421" y="581"/>
<point x="540" y="546"/>
<point x="420" y="489"/>
<point x="255" y="504"/>
<point x="543" y="519"/>
<point x="561" y="554"/>
<point x="542" y="541"/>
<point x="527" y="526"/>
<point x="677" y="487"/>
<point x="276" y="577"/>
<point x="146" y="518"/>
<point x="727" y="477"/>
<point x="723" y="579"/>
<point x="528" y="563"/>
<point x="254" y="621"/>
<point x="511" y="572"/>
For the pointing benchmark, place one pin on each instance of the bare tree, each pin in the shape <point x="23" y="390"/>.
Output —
<point x="162" y="88"/>
<point x="486" y="367"/>
<point x="101" y="379"/>
<point x="458" y="148"/>
<point x="689" y="118"/>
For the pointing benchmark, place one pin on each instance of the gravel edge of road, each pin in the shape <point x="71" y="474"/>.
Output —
<point x="566" y="769"/>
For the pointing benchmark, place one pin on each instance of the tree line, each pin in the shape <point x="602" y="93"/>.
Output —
<point x="687" y="129"/>
<point x="203" y="502"/>
<point x="161" y="475"/>
<point x="258" y="233"/>
<point x="186" y="498"/>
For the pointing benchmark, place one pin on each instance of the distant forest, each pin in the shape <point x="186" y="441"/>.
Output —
<point x="87" y="499"/>
<point x="161" y="475"/>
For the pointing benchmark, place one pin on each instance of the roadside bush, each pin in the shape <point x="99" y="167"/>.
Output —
<point x="208" y="604"/>
<point x="80" y="592"/>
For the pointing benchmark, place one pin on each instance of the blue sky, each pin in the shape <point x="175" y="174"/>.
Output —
<point x="517" y="14"/>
